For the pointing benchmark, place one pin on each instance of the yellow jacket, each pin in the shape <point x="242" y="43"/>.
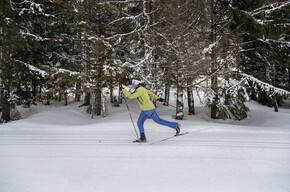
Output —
<point x="142" y="95"/>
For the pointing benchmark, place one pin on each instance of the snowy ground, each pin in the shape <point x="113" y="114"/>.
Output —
<point x="60" y="149"/>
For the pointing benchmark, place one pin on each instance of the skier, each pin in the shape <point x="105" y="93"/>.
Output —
<point x="148" y="109"/>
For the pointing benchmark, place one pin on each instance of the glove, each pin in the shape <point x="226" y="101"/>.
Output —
<point x="160" y="99"/>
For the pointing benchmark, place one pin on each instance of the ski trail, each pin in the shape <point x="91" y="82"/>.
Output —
<point x="186" y="140"/>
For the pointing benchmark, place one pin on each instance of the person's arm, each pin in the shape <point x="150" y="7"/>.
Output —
<point x="151" y="94"/>
<point x="138" y="93"/>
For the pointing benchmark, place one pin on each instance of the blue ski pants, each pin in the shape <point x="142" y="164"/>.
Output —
<point x="153" y="115"/>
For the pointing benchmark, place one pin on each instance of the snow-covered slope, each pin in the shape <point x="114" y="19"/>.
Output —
<point x="61" y="149"/>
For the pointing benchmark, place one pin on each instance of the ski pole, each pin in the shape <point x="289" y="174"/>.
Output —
<point x="189" y="113"/>
<point x="131" y="117"/>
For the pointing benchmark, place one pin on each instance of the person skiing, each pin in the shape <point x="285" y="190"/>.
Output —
<point x="148" y="109"/>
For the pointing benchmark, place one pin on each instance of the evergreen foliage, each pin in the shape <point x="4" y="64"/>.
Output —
<point x="265" y="43"/>
<point x="230" y="50"/>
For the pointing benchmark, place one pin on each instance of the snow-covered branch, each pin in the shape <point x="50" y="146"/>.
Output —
<point x="60" y="70"/>
<point x="36" y="37"/>
<point x="33" y="68"/>
<point x="269" y="41"/>
<point x="31" y="8"/>
<point x="209" y="48"/>
<point x="268" y="9"/>
<point x="126" y="18"/>
<point x="119" y="2"/>
<point x="270" y="89"/>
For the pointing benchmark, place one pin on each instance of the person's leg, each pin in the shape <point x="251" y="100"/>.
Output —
<point x="160" y="121"/>
<point x="142" y="118"/>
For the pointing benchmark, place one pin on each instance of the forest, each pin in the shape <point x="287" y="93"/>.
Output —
<point x="226" y="51"/>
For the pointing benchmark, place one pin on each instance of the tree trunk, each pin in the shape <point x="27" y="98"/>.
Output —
<point x="213" y="113"/>
<point x="60" y="97"/>
<point x="65" y="99"/>
<point x="34" y="90"/>
<point x="93" y="108"/>
<point x="40" y="92"/>
<point x="190" y="99"/>
<point x="1" y="98"/>
<point x="227" y="78"/>
<point x="214" y="87"/>
<point x="77" y="94"/>
<point x="270" y="102"/>
<point x="87" y="100"/>
<point x="179" y="103"/>
<point x="99" y="101"/>
<point x="6" y="111"/>
<point x="275" y="104"/>
<point x="111" y="93"/>
<point x="213" y="61"/>
<point x="120" y="94"/>
<point x="167" y="94"/>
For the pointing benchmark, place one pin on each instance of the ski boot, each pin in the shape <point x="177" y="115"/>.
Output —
<point x="141" y="140"/>
<point x="178" y="130"/>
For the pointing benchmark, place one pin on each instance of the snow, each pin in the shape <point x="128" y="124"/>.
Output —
<point x="266" y="87"/>
<point x="282" y="43"/>
<point x="282" y="5"/>
<point x="36" y="37"/>
<point x="61" y="70"/>
<point x="209" y="48"/>
<point x="268" y="9"/>
<point x="33" y="68"/>
<point x="60" y="148"/>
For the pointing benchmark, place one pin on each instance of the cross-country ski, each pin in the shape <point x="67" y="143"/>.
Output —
<point x="165" y="139"/>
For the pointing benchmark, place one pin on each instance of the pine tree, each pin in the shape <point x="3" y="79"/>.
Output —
<point x="45" y="29"/>
<point x="97" y="51"/>
<point x="11" y="72"/>
<point x="225" y="97"/>
<point x="265" y="44"/>
<point x="180" y="32"/>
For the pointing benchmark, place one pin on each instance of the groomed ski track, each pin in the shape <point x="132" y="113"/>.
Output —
<point x="188" y="140"/>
